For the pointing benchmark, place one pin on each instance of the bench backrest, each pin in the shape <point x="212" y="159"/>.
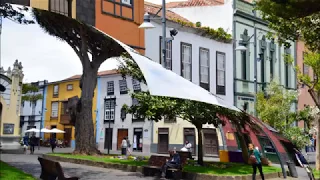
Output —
<point x="183" y="157"/>
<point x="157" y="161"/>
<point x="50" y="169"/>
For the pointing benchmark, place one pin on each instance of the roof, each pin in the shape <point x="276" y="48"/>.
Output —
<point x="192" y="3"/>
<point x="101" y="73"/>
<point x="154" y="8"/>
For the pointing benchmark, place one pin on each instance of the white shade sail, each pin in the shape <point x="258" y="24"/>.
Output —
<point x="45" y="130"/>
<point x="32" y="130"/>
<point x="55" y="130"/>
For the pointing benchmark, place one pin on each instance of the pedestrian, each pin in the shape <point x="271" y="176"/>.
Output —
<point x="303" y="163"/>
<point x="124" y="146"/>
<point x="128" y="146"/>
<point x="25" y="142"/>
<point x="53" y="143"/>
<point x="255" y="160"/>
<point x="311" y="144"/>
<point x="188" y="146"/>
<point x="33" y="142"/>
<point x="174" y="162"/>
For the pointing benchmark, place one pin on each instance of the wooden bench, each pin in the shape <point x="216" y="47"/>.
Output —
<point x="52" y="170"/>
<point x="155" y="164"/>
<point x="177" y="172"/>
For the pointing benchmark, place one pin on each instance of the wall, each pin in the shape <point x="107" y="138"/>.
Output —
<point x="121" y="99"/>
<point x="209" y="15"/>
<point x="63" y="96"/>
<point x="121" y="24"/>
<point x="44" y="4"/>
<point x="304" y="96"/>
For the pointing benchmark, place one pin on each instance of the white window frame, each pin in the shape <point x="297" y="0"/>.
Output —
<point x="110" y="87"/>
<point x="123" y="87"/>
<point x="204" y="67"/>
<point x="168" y="54"/>
<point x="109" y="114"/>
<point x="54" y="109"/>
<point x="56" y="90"/>
<point x="136" y="85"/>
<point x="68" y="87"/>
<point x="127" y="2"/>
<point x="221" y="70"/>
<point x="186" y="60"/>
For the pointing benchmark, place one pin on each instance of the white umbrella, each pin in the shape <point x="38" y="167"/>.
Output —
<point x="55" y="130"/>
<point x="32" y="130"/>
<point x="45" y="130"/>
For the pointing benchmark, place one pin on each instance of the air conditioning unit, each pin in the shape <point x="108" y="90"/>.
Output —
<point x="128" y="2"/>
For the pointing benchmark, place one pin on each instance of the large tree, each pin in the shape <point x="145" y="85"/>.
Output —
<point x="92" y="48"/>
<point x="197" y="113"/>
<point x="298" y="20"/>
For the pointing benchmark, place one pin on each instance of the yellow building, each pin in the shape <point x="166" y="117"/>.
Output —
<point x="10" y="98"/>
<point x="56" y="115"/>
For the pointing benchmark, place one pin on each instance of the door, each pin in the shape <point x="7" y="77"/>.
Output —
<point x="137" y="142"/>
<point x="189" y="135"/>
<point x="108" y="138"/>
<point x="211" y="145"/>
<point x="67" y="136"/>
<point x="122" y="133"/>
<point x="163" y="140"/>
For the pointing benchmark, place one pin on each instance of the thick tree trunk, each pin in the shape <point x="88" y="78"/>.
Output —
<point x="85" y="140"/>
<point x="318" y="147"/>
<point x="200" y="146"/>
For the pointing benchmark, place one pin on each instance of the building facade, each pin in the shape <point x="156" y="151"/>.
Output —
<point x="10" y="98"/>
<point x="200" y="59"/>
<point x="113" y="124"/>
<point x="32" y="113"/>
<point x="123" y="17"/>
<point x="56" y="114"/>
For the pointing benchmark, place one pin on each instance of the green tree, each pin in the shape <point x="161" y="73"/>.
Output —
<point x="197" y="113"/>
<point x="14" y="14"/>
<point x="30" y="93"/>
<point x="274" y="108"/>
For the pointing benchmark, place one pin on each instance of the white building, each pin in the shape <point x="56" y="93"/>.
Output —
<point x="113" y="93"/>
<point x="31" y="115"/>
<point x="199" y="58"/>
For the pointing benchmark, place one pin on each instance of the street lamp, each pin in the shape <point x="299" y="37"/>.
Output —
<point x="148" y="25"/>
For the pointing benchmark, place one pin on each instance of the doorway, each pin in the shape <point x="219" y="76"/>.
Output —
<point x="137" y="143"/>
<point x="108" y="138"/>
<point x="189" y="135"/>
<point x="163" y="140"/>
<point x="122" y="133"/>
<point x="67" y="136"/>
<point x="211" y="144"/>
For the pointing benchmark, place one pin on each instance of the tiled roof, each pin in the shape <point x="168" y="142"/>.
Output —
<point x="101" y="73"/>
<point x="154" y="8"/>
<point x="191" y="3"/>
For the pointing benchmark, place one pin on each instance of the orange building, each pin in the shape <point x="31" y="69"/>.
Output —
<point x="304" y="96"/>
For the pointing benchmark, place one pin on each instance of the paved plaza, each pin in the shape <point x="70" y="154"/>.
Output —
<point x="29" y="164"/>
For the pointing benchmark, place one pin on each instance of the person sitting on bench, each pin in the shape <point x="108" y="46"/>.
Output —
<point x="174" y="162"/>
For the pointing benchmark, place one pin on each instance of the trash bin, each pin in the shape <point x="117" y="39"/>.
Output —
<point x="292" y="169"/>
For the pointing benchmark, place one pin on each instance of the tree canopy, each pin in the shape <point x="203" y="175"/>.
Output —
<point x="30" y="93"/>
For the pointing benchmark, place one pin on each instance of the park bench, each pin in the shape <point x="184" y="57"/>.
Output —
<point x="52" y="170"/>
<point x="177" y="172"/>
<point x="155" y="164"/>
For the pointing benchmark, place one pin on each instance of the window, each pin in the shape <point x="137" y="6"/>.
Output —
<point x="110" y="88"/>
<point x="186" y="61"/>
<point x="69" y="87"/>
<point x="287" y="68"/>
<point x="271" y="64"/>
<point x="221" y="73"/>
<point x="168" y="54"/>
<point x="61" y="7"/>
<point x="204" y="68"/>
<point x="123" y="9"/>
<point x="127" y="2"/>
<point x="54" y="109"/>
<point x="262" y="68"/>
<point x="244" y="65"/>
<point x="136" y="116"/>
<point x="109" y="109"/>
<point x="136" y="85"/>
<point x="123" y="86"/>
<point x="56" y="90"/>
<point x="64" y="108"/>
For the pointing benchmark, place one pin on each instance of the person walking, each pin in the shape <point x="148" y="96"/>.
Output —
<point x="255" y="160"/>
<point x="33" y="142"/>
<point x="303" y="163"/>
<point x="25" y="142"/>
<point x="53" y="144"/>
<point x="128" y="146"/>
<point x="124" y="146"/>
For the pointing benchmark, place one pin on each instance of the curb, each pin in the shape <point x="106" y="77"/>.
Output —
<point x="129" y="168"/>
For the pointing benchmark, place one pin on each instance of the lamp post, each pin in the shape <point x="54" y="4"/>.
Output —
<point x="42" y="110"/>
<point x="111" y="105"/>
<point x="148" y="25"/>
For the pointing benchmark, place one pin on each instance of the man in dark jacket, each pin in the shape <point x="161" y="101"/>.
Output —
<point x="33" y="142"/>
<point x="303" y="163"/>
<point x="174" y="162"/>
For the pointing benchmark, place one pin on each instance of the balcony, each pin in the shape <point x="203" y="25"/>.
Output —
<point x="65" y="119"/>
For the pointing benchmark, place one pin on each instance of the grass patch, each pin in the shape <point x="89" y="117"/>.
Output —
<point x="11" y="173"/>
<point x="215" y="168"/>
<point x="228" y="169"/>
<point x="316" y="173"/>
<point x="105" y="159"/>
